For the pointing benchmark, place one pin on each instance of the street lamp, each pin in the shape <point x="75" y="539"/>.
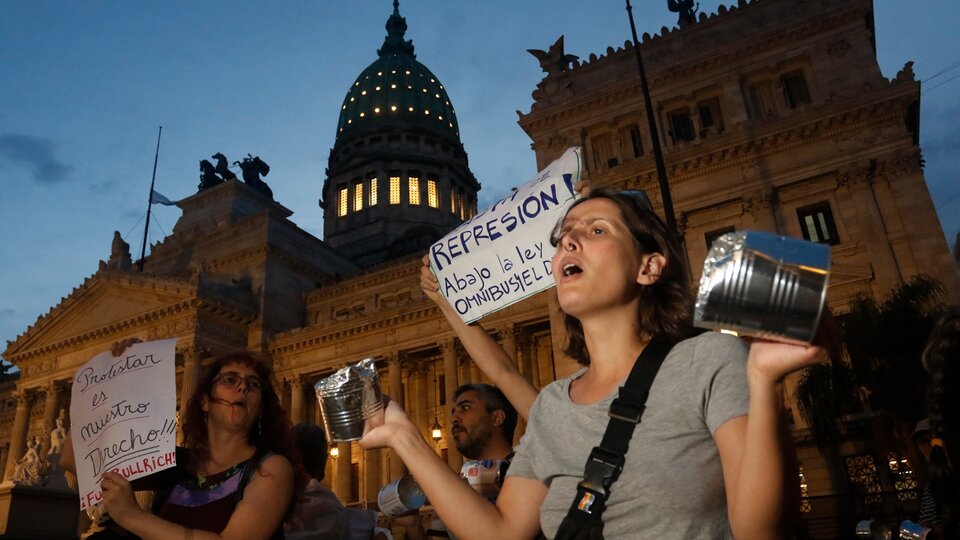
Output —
<point x="334" y="452"/>
<point x="436" y="431"/>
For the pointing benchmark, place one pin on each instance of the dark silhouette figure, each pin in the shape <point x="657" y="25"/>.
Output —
<point x="208" y="176"/>
<point x="222" y="168"/>
<point x="553" y="61"/>
<point x="253" y="167"/>
<point x="685" y="10"/>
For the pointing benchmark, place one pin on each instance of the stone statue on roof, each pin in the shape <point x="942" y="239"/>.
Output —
<point x="685" y="10"/>
<point x="119" y="254"/>
<point x="553" y="61"/>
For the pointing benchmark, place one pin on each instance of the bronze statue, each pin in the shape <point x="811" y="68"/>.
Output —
<point x="685" y="10"/>
<point x="208" y="176"/>
<point x="222" y="168"/>
<point x="253" y="167"/>
<point x="553" y="61"/>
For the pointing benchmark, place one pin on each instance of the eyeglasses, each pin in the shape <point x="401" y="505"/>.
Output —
<point x="232" y="380"/>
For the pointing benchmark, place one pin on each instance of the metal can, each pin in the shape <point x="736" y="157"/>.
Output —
<point x="403" y="496"/>
<point x="764" y="285"/>
<point x="350" y="401"/>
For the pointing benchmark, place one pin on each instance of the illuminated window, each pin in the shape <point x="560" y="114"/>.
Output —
<point x="394" y="190"/>
<point x="460" y="204"/>
<point x="373" y="192"/>
<point x="342" y="201"/>
<point x="414" y="187"/>
<point x="432" y="195"/>
<point x="358" y="196"/>
<point x="453" y="201"/>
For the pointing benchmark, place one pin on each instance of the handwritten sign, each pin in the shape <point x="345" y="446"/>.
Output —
<point x="123" y="415"/>
<point x="502" y="255"/>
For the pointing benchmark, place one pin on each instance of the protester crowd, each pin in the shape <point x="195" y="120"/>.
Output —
<point x="692" y="445"/>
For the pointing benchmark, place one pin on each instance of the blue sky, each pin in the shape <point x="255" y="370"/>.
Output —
<point x="85" y="85"/>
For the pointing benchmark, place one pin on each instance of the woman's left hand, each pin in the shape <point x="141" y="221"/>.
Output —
<point x="118" y="500"/>
<point x="771" y="361"/>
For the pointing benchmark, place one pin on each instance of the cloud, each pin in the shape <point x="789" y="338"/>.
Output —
<point x="36" y="154"/>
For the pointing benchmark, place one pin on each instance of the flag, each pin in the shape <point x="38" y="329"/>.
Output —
<point x="157" y="198"/>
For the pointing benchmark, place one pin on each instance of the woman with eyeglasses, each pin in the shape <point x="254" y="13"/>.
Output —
<point x="709" y="458"/>
<point x="234" y="477"/>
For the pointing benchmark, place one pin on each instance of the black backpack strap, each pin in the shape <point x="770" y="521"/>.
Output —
<point x="605" y="462"/>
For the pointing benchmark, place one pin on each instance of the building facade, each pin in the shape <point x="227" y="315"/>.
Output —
<point x="773" y="115"/>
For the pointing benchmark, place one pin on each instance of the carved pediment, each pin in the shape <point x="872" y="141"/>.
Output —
<point x="104" y="301"/>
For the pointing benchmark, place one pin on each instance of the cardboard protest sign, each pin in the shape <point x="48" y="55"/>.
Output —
<point x="502" y="255"/>
<point x="123" y="415"/>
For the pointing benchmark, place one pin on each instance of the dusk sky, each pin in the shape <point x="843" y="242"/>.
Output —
<point x="85" y="85"/>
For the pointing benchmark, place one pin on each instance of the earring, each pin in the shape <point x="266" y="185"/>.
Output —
<point x="259" y="427"/>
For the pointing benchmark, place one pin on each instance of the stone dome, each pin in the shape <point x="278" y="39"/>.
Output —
<point x="396" y="89"/>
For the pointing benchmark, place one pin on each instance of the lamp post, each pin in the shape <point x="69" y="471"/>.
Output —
<point x="654" y="135"/>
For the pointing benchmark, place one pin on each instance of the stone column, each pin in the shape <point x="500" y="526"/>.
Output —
<point x="50" y="409"/>
<point x="397" y="468"/>
<point x="525" y="350"/>
<point x="341" y="480"/>
<point x="508" y="340"/>
<point x="419" y="405"/>
<point x="21" y="425"/>
<point x="452" y="381"/>
<point x="4" y="452"/>
<point x="371" y="474"/>
<point x="296" y="399"/>
<point x="188" y="381"/>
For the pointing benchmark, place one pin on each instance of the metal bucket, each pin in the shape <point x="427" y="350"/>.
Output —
<point x="764" y="285"/>
<point x="350" y="400"/>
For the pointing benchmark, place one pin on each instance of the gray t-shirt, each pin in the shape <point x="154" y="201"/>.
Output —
<point x="672" y="482"/>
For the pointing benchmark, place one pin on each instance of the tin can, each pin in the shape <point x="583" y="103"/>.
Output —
<point x="764" y="285"/>
<point x="350" y="401"/>
<point x="403" y="496"/>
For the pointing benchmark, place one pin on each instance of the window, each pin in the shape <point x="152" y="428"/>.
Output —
<point x="717" y="233"/>
<point x="602" y="147"/>
<point x="433" y="200"/>
<point x="636" y="143"/>
<point x="863" y="477"/>
<point x="795" y="89"/>
<point x="816" y="222"/>
<point x="805" y="505"/>
<point x="760" y="103"/>
<point x="681" y="127"/>
<point x="904" y="480"/>
<point x="459" y="204"/>
<point x="413" y="184"/>
<point x="342" y="201"/>
<point x="711" y="119"/>
<point x="394" y="190"/>
<point x="358" y="197"/>
<point x="453" y="201"/>
<point x="373" y="192"/>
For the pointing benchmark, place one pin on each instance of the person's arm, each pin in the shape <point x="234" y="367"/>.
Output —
<point x="258" y="514"/>
<point x="464" y="512"/>
<point x="489" y="356"/>
<point x="759" y="469"/>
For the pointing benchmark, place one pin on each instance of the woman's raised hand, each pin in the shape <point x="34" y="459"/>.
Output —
<point x="772" y="361"/>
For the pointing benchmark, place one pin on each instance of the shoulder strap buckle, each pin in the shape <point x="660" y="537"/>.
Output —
<point x="602" y="469"/>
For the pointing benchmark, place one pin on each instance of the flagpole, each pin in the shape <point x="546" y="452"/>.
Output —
<point x="146" y="227"/>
